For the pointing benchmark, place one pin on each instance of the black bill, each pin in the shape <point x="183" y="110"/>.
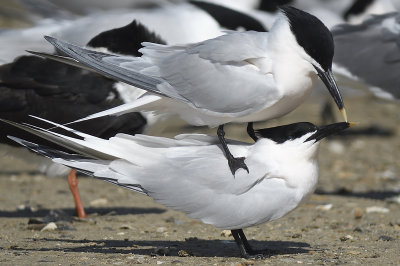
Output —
<point x="329" y="130"/>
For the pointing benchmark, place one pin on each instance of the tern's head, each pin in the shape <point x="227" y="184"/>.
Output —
<point x="290" y="151"/>
<point x="316" y="40"/>
<point x="301" y="132"/>
<point x="300" y="136"/>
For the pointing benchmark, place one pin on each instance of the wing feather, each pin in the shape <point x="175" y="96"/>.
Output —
<point x="199" y="75"/>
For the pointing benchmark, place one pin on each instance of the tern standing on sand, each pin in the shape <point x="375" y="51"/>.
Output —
<point x="189" y="173"/>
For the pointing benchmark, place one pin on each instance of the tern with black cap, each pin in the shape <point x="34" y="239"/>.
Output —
<point x="237" y="77"/>
<point x="189" y="173"/>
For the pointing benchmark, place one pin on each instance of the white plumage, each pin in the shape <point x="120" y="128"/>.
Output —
<point x="190" y="174"/>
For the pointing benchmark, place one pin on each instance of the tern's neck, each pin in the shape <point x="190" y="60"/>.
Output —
<point x="294" y="161"/>
<point x="293" y="71"/>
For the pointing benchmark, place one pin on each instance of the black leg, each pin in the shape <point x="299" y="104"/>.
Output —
<point x="234" y="163"/>
<point x="246" y="250"/>
<point x="250" y="131"/>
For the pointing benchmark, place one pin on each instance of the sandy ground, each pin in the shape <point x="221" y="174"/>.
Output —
<point x="353" y="218"/>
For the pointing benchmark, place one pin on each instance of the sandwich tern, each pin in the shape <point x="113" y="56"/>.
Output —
<point x="237" y="77"/>
<point x="189" y="173"/>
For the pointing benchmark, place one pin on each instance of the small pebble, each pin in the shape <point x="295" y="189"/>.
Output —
<point x="226" y="233"/>
<point x="21" y="207"/>
<point x="345" y="238"/>
<point x="159" y="262"/>
<point x="297" y="235"/>
<point x="99" y="202"/>
<point x="325" y="207"/>
<point x="358" y="229"/>
<point x="126" y="227"/>
<point x="385" y="238"/>
<point x="49" y="227"/>
<point x="377" y="209"/>
<point x="353" y="252"/>
<point x="184" y="253"/>
<point x="161" y="229"/>
<point x="358" y="213"/>
<point x="245" y="263"/>
<point x="177" y="262"/>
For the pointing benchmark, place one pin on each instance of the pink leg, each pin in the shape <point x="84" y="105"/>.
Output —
<point x="73" y="186"/>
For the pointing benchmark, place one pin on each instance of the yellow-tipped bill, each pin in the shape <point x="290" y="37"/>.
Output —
<point x="352" y="124"/>
<point x="344" y="114"/>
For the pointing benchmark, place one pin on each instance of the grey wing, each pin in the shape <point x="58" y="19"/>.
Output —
<point x="232" y="47"/>
<point x="219" y="68"/>
<point x="198" y="74"/>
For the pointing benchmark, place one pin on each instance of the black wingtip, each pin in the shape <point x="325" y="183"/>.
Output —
<point x="30" y="146"/>
<point x="15" y="139"/>
<point x="49" y="38"/>
<point x="41" y="54"/>
<point x="10" y="122"/>
<point x="52" y="40"/>
<point x="46" y="151"/>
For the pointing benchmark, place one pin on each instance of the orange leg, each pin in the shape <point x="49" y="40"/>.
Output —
<point x="73" y="186"/>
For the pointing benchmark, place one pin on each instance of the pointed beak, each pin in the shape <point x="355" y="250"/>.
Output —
<point x="329" y="130"/>
<point x="329" y="81"/>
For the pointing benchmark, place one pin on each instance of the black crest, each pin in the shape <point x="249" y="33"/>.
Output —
<point x="312" y="35"/>
<point x="280" y="134"/>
